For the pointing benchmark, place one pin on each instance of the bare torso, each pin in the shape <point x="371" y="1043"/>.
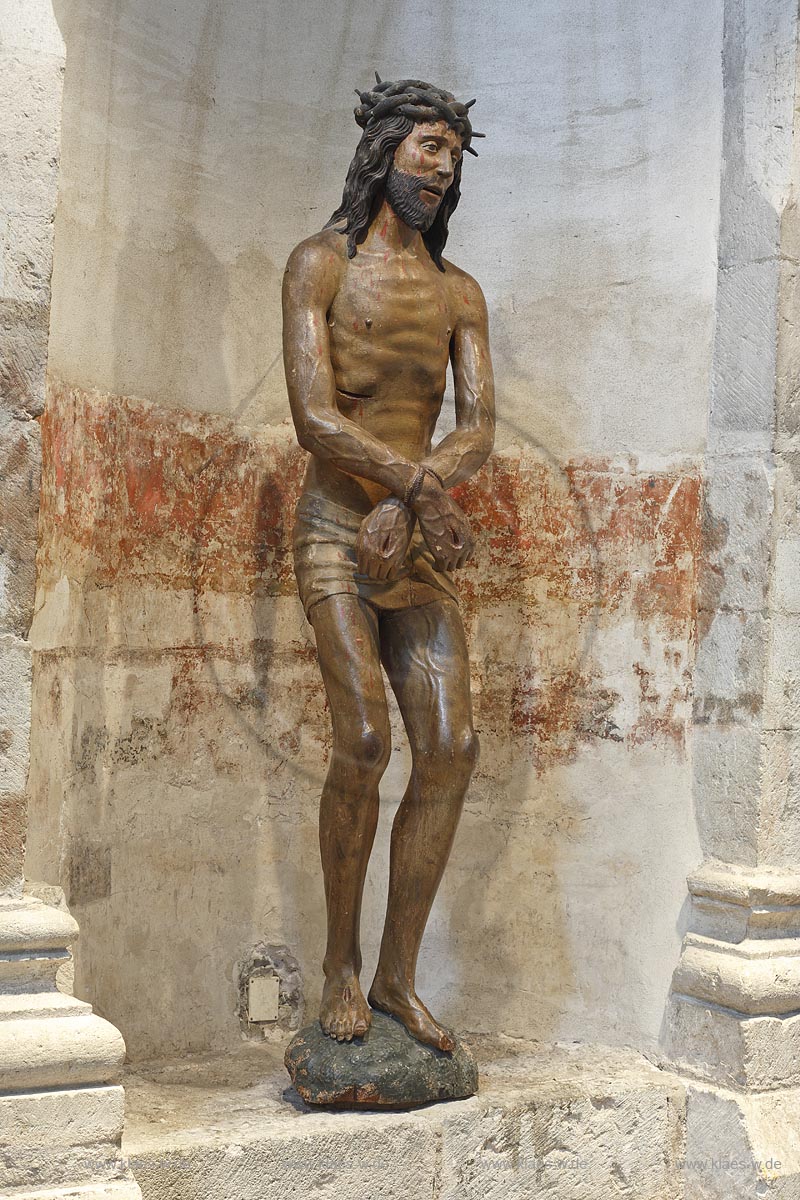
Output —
<point x="390" y="326"/>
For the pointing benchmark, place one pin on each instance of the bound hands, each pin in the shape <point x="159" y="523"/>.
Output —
<point x="384" y="538"/>
<point x="444" y="526"/>
<point x="385" y="533"/>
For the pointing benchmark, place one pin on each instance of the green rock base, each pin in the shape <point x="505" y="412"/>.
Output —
<point x="386" y="1069"/>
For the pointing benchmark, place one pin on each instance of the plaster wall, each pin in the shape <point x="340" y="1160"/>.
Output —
<point x="180" y="734"/>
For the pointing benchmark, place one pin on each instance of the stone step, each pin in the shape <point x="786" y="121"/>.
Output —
<point x="563" y="1122"/>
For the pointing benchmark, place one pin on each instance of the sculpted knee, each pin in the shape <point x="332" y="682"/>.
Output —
<point x="467" y="749"/>
<point x="365" y="750"/>
<point x="373" y="750"/>
<point x="472" y="748"/>
<point x="455" y="753"/>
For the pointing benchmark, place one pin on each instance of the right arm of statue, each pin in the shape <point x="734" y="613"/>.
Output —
<point x="309" y="287"/>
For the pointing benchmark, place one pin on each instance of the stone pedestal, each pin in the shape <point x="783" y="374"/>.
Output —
<point x="733" y="1017"/>
<point x="61" y="1107"/>
<point x="733" y="1028"/>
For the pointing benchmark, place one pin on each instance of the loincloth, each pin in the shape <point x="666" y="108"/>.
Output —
<point x="325" y="564"/>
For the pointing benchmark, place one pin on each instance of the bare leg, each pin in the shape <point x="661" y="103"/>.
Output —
<point x="346" y="631"/>
<point x="425" y="654"/>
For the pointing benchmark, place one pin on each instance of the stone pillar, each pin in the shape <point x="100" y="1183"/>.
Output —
<point x="733" y="1023"/>
<point x="61" y="1106"/>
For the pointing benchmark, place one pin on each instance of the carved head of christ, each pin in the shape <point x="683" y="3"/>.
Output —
<point x="410" y="154"/>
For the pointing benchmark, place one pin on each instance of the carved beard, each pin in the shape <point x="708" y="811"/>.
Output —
<point x="403" y="193"/>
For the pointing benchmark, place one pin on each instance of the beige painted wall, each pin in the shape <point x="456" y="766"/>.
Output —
<point x="202" y="141"/>
<point x="180" y="736"/>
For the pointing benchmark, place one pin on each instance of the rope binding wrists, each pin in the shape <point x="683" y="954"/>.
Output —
<point x="434" y="475"/>
<point x="414" y="487"/>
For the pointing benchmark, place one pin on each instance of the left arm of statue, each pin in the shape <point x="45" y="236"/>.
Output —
<point x="465" y="450"/>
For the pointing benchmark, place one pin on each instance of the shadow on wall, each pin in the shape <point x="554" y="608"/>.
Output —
<point x="166" y="217"/>
<point x="190" y="676"/>
<point x="529" y="610"/>
<point x="142" y="872"/>
<point x="184" y="297"/>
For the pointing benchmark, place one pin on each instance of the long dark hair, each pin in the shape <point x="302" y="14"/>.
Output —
<point x="366" y="177"/>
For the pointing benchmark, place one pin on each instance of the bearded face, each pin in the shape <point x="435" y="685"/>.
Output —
<point x="415" y="198"/>
<point x="417" y="176"/>
<point x="422" y="171"/>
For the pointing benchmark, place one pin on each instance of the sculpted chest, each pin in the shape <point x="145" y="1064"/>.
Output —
<point x="389" y="316"/>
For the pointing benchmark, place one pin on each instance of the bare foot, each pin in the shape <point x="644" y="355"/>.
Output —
<point x="344" y="1013"/>
<point x="404" y="1003"/>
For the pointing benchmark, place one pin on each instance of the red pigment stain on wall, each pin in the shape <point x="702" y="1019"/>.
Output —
<point x="590" y="536"/>
<point x="183" y="500"/>
<point x="588" y="545"/>
<point x="189" y="500"/>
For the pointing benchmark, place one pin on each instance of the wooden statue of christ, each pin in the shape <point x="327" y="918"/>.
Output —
<point x="372" y="316"/>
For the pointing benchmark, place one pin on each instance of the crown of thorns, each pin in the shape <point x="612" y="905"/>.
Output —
<point x="419" y="100"/>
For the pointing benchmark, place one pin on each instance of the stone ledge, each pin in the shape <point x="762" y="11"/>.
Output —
<point x="746" y="886"/>
<point x="753" y="978"/>
<point x="61" y="1051"/>
<point x="27" y="925"/>
<point x="569" y="1121"/>
<point x="60" y="1136"/>
<point x="717" y="1045"/>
